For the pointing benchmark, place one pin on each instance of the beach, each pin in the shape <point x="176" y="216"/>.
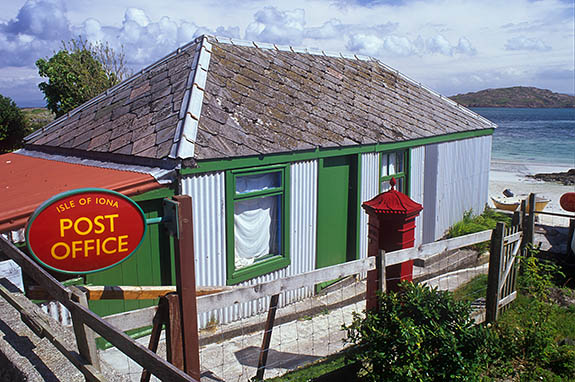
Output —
<point x="513" y="175"/>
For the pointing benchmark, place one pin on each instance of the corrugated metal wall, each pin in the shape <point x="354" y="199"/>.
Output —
<point x="369" y="188"/>
<point x="208" y="203"/>
<point x="457" y="174"/>
<point x="462" y="180"/>
<point x="208" y="198"/>
<point x="416" y="184"/>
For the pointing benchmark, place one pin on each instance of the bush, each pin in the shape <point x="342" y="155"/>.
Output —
<point x="12" y="125"/>
<point x="528" y="335"/>
<point x="419" y="334"/>
<point x="477" y="223"/>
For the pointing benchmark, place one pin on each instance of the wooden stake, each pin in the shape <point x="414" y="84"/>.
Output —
<point x="85" y="338"/>
<point x="267" y="337"/>
<point x="186" y="286"/>
<point x="495" y="253"/>
<point x="530" y="227"/>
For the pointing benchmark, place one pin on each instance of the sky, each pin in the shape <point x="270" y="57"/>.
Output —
<point x="450" y="46"/>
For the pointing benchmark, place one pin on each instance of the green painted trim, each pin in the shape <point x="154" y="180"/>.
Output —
<point x="271" y="263"/>
<point x="399" y="175"/>
<point x="408" y="172"/>
<point x="157" y="220"/>
<point x="65" y="194"/>
<point x="272" y="159"/>
<point x="158" y="193"/>
<point x="358" y="209"/>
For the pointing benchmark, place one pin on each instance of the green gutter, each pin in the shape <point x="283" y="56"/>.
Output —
<point x="221" y="164"/>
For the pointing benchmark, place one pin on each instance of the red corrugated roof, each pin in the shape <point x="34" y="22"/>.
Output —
<point x="26" y="182"/>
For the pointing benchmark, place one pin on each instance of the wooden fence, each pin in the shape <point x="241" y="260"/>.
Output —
<point x="84" y="321"/>
<point x="505" y="244"/>
<point x="502" y="275"/>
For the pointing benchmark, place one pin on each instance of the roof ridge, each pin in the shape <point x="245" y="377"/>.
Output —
<point x="105" y="93"/>
<point x="303" y="50"/>
<point x="191" y="108"/>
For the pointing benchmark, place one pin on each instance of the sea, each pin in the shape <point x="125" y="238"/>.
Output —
<point x="536" y="136"/>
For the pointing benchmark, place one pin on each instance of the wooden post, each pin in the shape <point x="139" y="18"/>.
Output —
<point x="530" y="226"/>
<point x="372" y="276"/>
<point x="267" y="337"/>
<point x="168" y="313"/>
<point x="516" y="220"/>
<point x="494" y="275"/>
<point x="174" y="335"/>
<point x="157" y="323"/>
<point x="186" y="286"/>
<point x="380" y="266"/>
<point x="570" y="238"/>
<point x="85" y="338"/>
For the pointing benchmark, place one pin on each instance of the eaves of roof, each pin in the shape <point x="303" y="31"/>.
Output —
<point x="26" y="182"/>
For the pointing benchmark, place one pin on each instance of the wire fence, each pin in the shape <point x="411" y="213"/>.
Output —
<point x="306" y="331"/>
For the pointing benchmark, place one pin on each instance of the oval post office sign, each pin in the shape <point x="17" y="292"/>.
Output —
<point x="85" y="230"/>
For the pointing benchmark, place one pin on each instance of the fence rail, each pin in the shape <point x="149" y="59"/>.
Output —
<point x="83" y="316"/>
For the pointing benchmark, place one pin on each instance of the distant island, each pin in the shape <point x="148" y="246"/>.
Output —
<point x="518" y="96"/>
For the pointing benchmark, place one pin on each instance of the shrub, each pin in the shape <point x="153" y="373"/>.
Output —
<point x="419" y="334"/>
<point x="476" y="223"/>
<point x="12" y="125"/>
<point x="529" y="333"/>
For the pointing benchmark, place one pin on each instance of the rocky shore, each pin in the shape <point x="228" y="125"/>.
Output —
<point x="566" y="178"/>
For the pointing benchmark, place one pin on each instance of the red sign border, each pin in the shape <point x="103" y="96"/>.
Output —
<point x="66" y="194"/>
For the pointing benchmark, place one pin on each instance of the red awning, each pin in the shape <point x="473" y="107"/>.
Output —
<point x="26" y="182"/>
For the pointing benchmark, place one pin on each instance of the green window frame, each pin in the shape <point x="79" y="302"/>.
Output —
<point x="394" y="164"/>
<point x="279" y="191"/>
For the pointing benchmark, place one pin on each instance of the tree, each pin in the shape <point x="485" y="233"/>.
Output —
<point x="12" y="125"/>
<point x="79" y="72"/>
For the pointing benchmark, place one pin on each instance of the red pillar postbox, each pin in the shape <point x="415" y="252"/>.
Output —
<point x="392" y="227"/>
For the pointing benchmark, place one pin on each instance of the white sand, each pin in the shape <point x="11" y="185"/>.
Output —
<point x="513" y="175"/>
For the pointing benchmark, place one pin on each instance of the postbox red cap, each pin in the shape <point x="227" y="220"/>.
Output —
<point x="392" y="202"/>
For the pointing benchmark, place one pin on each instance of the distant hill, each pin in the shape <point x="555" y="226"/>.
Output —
<point x="518" y="96"/>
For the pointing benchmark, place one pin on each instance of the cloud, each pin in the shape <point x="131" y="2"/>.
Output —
<point x="144" y="40"/>
<point x="35" y="32"/>
<point x="439" y="44"/>
<point x="43" y="19"/>
<point x="525" y="43"/>
<point x="373" y="44"/>
<point x="275" y="26"/>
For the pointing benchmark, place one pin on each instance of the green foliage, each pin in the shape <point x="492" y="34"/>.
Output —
<point x="477" y="223"/>
<point x="77" y="73"/>
<point x="37" y="117"/>
<point x="314" y="370"/>
<point x="12" y="125"/>
<point x="531" y="340"/>
<point x="472" y="290"/>
<point x="419" y="334"/>
<point x="537" y="276"/>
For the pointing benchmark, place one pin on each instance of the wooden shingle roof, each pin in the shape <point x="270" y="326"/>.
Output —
<point x="221" y="98"/>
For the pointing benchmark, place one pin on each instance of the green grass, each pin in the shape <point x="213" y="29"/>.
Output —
<point x="37" y="117"/>
<point x="472" y="290"/>
<point x="313" y="370"/>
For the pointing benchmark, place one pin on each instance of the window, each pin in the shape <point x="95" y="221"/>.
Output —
<point x="257" y="222"/>
<point x="393" y="165"/>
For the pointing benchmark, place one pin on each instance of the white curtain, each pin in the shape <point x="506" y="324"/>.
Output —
<point x="255" y="229"/>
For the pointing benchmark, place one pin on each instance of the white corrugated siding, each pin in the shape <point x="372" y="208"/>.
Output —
<point x="416" y="182"/>
<point x="462" y="180"/>
<point x="208" y="200"/>
<point x="369" y="189"/>
<point x="208" y="203"/>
